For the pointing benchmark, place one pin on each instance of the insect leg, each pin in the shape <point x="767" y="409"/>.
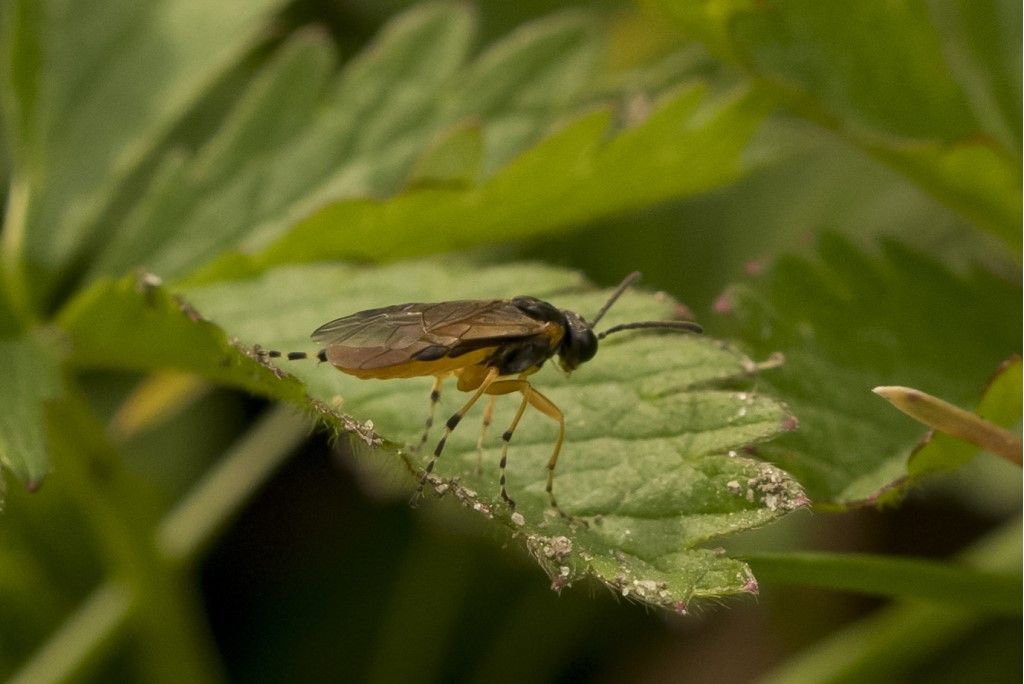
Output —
<point x="548" y="408"/>
<point x="435" y="396"/>
<point x="488" y="416"/>
<point x="506" y="437"/>
<point x="450" y="425"/>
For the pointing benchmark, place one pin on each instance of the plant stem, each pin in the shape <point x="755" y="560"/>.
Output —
<point x="12" y="242"/>
<point x="83" y="640"/>
<point x="890" y="642"/>
<point x="190" y="527"/>
<point x="180" y="537"/>
<point x="941" y="583"/>
<point x="162" y="609"/>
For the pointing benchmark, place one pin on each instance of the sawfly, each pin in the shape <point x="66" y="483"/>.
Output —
<point x="489" y="346"/>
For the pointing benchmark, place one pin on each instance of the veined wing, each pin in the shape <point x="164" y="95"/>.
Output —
<point x="395" y="335"/>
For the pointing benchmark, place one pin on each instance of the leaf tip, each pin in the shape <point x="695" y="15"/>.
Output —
<point x="801" y="501"/>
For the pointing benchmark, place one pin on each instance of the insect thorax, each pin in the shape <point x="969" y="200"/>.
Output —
<point x="518" y="357"/>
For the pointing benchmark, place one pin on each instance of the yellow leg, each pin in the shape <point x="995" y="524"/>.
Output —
<point x="449" y="426"/>
<point x="488" y="417"/>
<point x="545" y="406"/>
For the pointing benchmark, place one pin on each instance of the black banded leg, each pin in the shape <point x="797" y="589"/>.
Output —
<point x="435" y="396"/>
<point x="548" y="408"/>
<point x="506" y="437"/>
<point x="488" y="417"/>
<point x="449" y="426"/>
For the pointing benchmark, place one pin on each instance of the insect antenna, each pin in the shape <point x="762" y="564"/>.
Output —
<point x="682" y="326"/>
<point x="627" y="281"/>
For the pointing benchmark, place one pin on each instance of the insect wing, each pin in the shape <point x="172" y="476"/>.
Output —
<point x="395" y="335"/>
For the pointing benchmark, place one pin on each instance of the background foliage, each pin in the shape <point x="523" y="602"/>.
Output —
<point x="838" y="189"/>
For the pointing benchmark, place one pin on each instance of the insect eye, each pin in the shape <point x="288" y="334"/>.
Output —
<point x="586" y="345"/>
<point x="579" y="344"/>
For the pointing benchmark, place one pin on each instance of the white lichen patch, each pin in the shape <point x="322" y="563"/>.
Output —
<point x="553" y="554"/>
<point x="557" y="548"/>
<point x="646" y="590"/>
<point x="774" y="490"/>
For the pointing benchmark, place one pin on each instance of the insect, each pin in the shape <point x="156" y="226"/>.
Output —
<point x="489" y="346"/>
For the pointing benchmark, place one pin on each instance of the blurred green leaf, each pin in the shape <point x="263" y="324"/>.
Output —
<point x="361" y="133"/>
<point x="655" y="425"/>
<point x="97" y="90"/>
<point x="687" y="145"/>
<point x="455" y="159"/>
<point x="849" y="321"/>
<point x="30" y="377"/>
<point x="130" y="324"/>
<point x="981" y="43"/>
<point x="524" y="83"/>
<point x="973" y="178"/>
<point x="924" y="86"/>
<point x="217" y="187"/>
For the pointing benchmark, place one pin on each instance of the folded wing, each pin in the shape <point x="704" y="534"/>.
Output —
<point x="397" y="335"/>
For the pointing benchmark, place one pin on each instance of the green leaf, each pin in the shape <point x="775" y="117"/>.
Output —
<point x="30" y="377"/>
<point x="454" y="160"/>
<point x="924" y="86"/>
<point x="657" y="428"/>
<point x="687" y="146"/>
<point x="651" y="454"/>
<point x="849" y="321"/>
<point x="135" y="324"/>
<point x="974" y="179"/>
<point x="524" y="83"/>
<point x="216" y="187"/>
<point x="361" y="133"/>
<point x="99" y="87"/>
